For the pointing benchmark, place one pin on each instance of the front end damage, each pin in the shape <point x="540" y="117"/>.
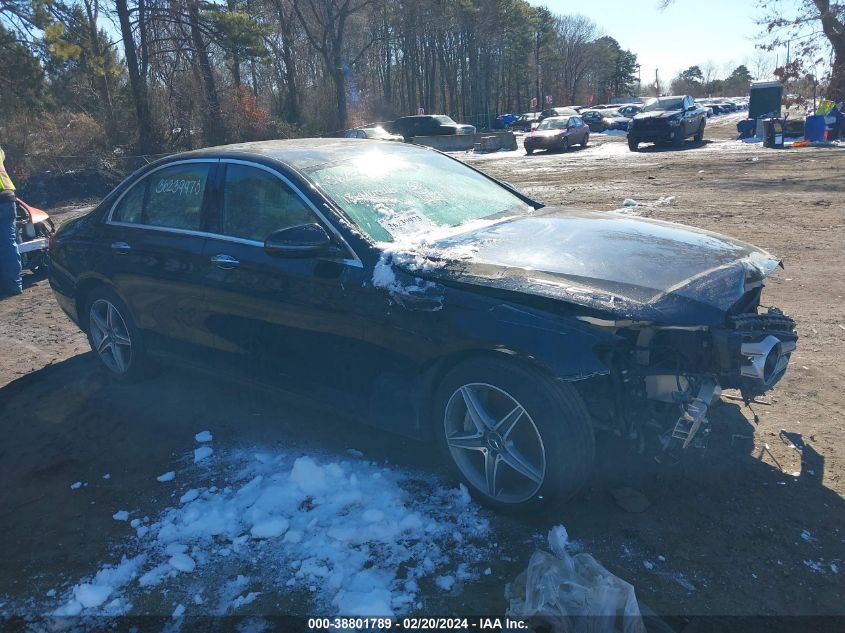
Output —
<point x="664" y="379"/>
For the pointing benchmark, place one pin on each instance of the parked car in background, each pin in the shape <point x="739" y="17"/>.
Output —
<point x="428" y="125"/>
<point x="504" y="121"/>
<point x="563" y="111"/>
<point x="377" y="133"/>
<point x="558" y="133"/>
<point x="603" y="120"/>
<point x="667" y="120"/>
<point x="526" y="122"/>
<point x="629" y="111"/>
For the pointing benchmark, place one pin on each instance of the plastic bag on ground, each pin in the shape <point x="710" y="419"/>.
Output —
<point x="572" y="594"/>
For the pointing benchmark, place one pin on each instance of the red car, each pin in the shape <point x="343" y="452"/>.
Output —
<point x="558" y="133"/>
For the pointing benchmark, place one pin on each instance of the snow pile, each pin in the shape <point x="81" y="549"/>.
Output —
<point x="344" y="529"/>
<point x="635" y="207"/>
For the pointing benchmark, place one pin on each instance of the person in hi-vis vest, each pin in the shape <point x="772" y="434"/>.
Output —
<point x="10" y="258"/>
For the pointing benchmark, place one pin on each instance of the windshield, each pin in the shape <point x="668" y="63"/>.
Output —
<point x="393" y="194"/>
<point x="669" y="103"/>
<point x="553" y="124"/>
<point x="445" y="120"/>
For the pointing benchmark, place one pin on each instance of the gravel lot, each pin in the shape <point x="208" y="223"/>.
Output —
<point x="755" y="527"/>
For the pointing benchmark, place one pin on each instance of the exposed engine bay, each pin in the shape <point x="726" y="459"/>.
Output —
<point x="664" y="380"/>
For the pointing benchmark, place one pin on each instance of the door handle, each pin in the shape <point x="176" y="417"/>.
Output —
<point x="120" y="247"/>
<point x="226" y="262"/>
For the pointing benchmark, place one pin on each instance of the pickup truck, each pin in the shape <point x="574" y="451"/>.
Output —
<point x="428" y="125"/>
<point x="667" y="120"/>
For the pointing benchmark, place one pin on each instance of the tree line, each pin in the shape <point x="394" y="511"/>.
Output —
<point x="153" y="76"/>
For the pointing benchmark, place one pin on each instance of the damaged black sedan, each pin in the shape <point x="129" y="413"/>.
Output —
<point x="428" y="298"/>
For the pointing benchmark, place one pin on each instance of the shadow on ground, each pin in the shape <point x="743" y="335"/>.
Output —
<point x="724" y="533"/>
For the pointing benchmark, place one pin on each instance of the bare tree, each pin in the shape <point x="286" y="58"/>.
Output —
<point x="325" y="24"/>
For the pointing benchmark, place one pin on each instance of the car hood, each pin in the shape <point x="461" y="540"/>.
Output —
<point x="656" y="114"/>
<point x="605" y="265"/>
<point x="537" y="133"/>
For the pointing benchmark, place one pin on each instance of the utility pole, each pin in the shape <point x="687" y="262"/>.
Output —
<point x="656" y="82"/>
<point x="537" y="60"/>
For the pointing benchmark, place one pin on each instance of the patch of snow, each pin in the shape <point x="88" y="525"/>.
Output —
<point x="630" y="202"/>
<point x="201" y="453"/>
<point x="806" y="536"/>
<point x="106" y="582"/>
<point x="189" y="496"/>
<point x="179" y="611"/>
<point x="120" y="515"/>
<point x="182" y="562"/>
<point x="247" y="599"/>
<point x="203" y="437"/>
<point x="815" y="566"/>
<point x="107" y="476"/>
<point x="270" y="528"/>
<point x="648" y="564"/>
<point x="76" y="486"/>
<point x="346" y="530"/>
<point x="445" y="582"/>
<point x="168" y="476"/>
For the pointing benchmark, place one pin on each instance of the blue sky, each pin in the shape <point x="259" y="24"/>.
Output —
<point x="686" y="33"/>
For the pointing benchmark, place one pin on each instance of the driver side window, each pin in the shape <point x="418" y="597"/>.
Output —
<point x="257" y="203"/>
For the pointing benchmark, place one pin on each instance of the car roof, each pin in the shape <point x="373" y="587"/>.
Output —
<point x="300" y="154"/>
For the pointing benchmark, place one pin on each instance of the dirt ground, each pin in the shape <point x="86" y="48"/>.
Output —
<point x="755" y="527"/>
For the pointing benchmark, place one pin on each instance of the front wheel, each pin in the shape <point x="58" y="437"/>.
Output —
<point x="113" y="336"/>
<point x="528" y="152"/>
<point x="633" y="145"/>
<point x="585" y="141"/>
<point x="699" y="136"/>
<point x="519" y="440"/>
<point x="564" y="147"/>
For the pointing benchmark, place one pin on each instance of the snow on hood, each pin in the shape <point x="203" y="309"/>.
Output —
<point x="338" y="528"/>
<point x="630" y="267"/>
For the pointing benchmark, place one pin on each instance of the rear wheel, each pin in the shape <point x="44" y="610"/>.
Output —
<point x="519" y="440"/>
<point x="113" y="336"/>
<point x="633" y="144"/>
<point x="585" y="141"/>
<point x="528" y="151"/>
<point x="565" y="145"/>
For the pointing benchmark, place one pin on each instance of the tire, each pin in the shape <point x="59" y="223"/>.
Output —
<point x="585" y="141"/>
<point x="679" y="141"/>
<point x="699" y="136"/>
<point x="552" y="433"/>
<point x="528" y="152"/>
<point x="114" y="338"/>
<point x="633" y="144"/>
<point x="565" y="146"/>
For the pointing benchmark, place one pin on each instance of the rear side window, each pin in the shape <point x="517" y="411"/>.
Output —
<point x="175" y="195"/>
<point x="171" y="197"/>
<point x="256" y="203"/>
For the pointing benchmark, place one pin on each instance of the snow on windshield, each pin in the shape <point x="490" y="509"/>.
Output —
<point x="396" y="195"/>
<point x="663" y="104"/>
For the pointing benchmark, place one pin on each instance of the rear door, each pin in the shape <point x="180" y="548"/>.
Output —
<point x="155" y="238"/>
<point x="293" y="321"/>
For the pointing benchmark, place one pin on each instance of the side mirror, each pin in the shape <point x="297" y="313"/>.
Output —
<point x="303" y="240"/>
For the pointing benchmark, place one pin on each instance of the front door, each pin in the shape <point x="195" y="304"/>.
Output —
<point x="288" y="320"/>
